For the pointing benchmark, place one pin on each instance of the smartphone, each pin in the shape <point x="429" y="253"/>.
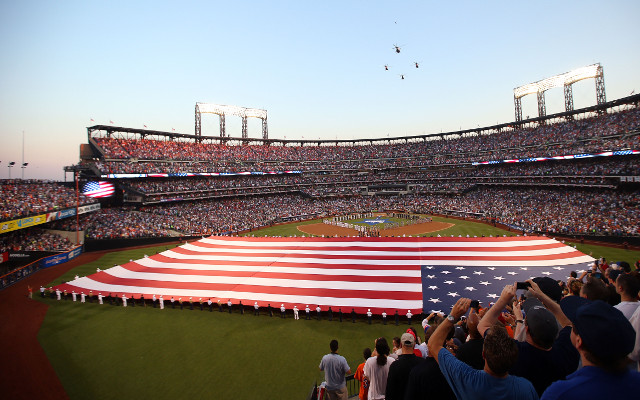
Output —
<point x="522" y="285"/>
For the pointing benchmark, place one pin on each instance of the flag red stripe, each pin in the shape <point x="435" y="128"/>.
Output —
<point x="418" y="258"/>
<point x="329" y="248"/>
<point x="165" y="259"/>
<point x="132" y="266"/>
<point x="104" y="277"/>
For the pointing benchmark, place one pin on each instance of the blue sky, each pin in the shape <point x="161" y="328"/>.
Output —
<point x="316" y="67"/>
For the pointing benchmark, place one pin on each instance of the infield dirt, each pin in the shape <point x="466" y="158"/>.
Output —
<point x="409" y="230"/>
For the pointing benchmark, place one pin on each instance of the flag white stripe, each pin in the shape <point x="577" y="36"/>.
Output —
<point x="419" y="243"/>
<point x="148" y="262"/>
<point x="120" y="272"/>
<point x="390" y="303"/>
<point x="421" y="252"/>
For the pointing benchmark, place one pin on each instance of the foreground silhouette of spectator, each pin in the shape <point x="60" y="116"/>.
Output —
<point x="603" y="337"/>
<point x="400" y="369"/>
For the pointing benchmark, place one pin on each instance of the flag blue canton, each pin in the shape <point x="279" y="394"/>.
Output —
<point x="442" y="286"/>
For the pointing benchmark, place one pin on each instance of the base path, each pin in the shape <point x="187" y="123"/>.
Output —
<point x="408" y="230"/>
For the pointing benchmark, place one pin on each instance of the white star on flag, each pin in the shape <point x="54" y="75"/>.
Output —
<point x="492" y="295"/>
<point x="470" y="288"/>
<point x="449" y="282"/>
<point x="464" y="277"/>
<point x="452" y="294"/>
<point x="434" y="300"/>
<point x="446" y="272"/>
<point x="433" y="287"/>
<point x="485" y="283"/>
<point x="498" y="278"/>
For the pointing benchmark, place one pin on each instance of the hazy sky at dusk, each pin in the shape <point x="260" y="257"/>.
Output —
<point x="316" y="67"/>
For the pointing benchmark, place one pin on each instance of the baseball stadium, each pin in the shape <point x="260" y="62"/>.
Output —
<point x="220" y="265"/>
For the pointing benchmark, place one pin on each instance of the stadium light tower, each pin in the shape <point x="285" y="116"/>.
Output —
<point x="24" y="165"/>
<point x="222" y="111"/>
<point x="11" y="164"/>
<point x="566" y="80"/>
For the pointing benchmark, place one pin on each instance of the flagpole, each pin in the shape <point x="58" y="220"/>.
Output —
<point x="23" y="154"/>
<point x="77" y="207"/>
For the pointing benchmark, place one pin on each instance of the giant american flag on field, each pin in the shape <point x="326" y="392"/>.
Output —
<point x="343" y="273"/>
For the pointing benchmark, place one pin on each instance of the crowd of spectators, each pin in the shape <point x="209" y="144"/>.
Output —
<point x="605" y="172"/>
<point x="584" y="196"/>
<point x="536" y="341"/>
<point x="614" y="131"/>
<point x="22" y="198"/>
<point x="537" y="210"/>
<point x="34" y="240"/>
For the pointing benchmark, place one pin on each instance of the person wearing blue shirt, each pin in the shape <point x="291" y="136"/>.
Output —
<point x="604" y="337"/>
<point x="335" y="368"/>
<point x="500" y="353"/>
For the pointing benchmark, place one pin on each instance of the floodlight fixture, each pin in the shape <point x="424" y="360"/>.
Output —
<point x="565" y="80"/>
<point x="223" y="110"/>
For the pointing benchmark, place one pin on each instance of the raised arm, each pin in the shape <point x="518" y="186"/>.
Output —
<point x="549" y="304"/>
<point x="491" y="316"/>
<point x="438" y="337"/>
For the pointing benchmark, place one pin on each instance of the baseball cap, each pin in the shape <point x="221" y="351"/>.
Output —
<point x="541" y="322"/>
<point x="408" y="340"/>
<point x="550" y="287"/>
<point x="570" y="305"/>
<point x="604" y="330"/>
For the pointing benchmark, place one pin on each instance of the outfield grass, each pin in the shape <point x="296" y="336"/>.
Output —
<point x="106" y="352"/>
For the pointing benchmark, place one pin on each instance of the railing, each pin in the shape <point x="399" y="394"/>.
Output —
<point x="31" y="268"/>
<point x="353" y="389"/>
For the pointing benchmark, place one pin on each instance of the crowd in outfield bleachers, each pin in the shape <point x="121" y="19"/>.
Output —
<point x="33" y="240"/>
<point x="21" y="198"/>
